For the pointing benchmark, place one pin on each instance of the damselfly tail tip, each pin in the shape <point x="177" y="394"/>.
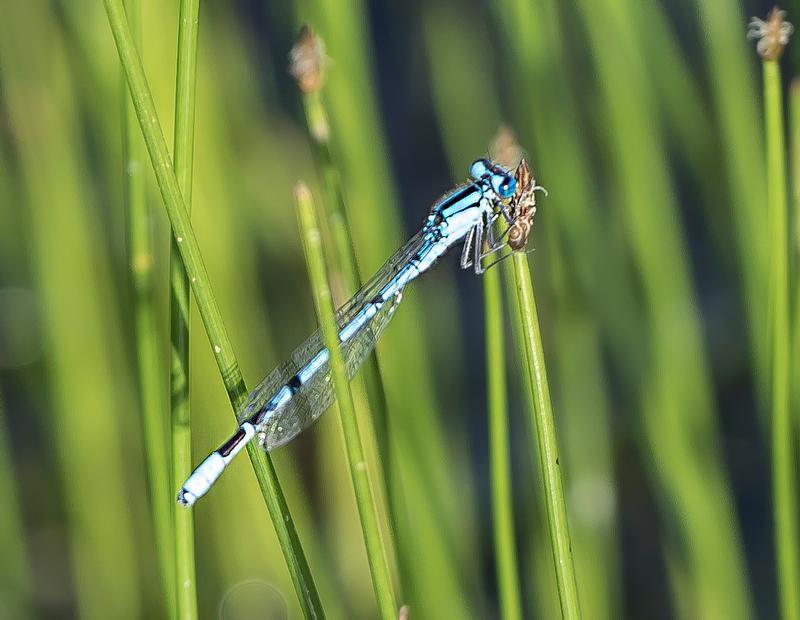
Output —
<point x="186" y="498"/>
<point x="202" y="478"/>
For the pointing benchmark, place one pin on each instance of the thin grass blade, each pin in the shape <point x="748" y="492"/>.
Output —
<point x="784" y="452"/>
<point x="181" y="418"/>
<point x="323" y="301"/>
<point x="505" y="545"/>
<point x="545" y="438"/>
<point x="206" y="303"/>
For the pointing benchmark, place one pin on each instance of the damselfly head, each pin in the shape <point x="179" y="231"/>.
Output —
<point x="502" y="181"/>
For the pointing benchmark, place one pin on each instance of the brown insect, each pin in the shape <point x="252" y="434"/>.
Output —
<point x="522" y="207"/>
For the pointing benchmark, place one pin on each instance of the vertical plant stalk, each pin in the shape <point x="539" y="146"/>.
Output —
<point x="794" y="145"/>
<point x="318" y="129"/>
<point x="181" y="416"/>
<point x="149" y="368"/>
<point x="207" y="305"/>
<point x="323" y="302"/>
<point x="546" y="440"/>
<point x="794" y="247"/>
<point x="783" y="453"/>
<point x="499" y="452"/>
<point x="307" y="66"/>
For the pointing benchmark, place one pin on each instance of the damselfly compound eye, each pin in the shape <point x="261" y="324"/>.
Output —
<point x="479" y="168"/>
<point x="504" y="185"/>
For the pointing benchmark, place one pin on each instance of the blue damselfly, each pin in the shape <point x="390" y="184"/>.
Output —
<point x="296" y="393"/>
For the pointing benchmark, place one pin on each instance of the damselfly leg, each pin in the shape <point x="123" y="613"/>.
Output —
<point x="480" y="243"/>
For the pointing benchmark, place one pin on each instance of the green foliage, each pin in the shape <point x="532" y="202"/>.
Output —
<point x="665" y="271"/>
<point x="783" y="446"/>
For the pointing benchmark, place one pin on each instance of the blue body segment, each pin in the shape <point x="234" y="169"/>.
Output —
<point x="317" y="362"/>
<point x="294" y="395"/>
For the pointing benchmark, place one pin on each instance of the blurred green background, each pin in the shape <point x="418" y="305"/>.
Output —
<point x="641" y="117"/>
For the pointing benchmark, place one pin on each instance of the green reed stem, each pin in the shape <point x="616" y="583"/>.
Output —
<point x="545" y="439"/>
<point x="323" y="302"/>
<point x="794" y="247"/>
<point x="794" y="176"/>
<point x="181" y="415"/>
<point x="336" y="220"/>
<point x="319" y="130"/>
<point x="783" y="453"/>
<point x="207" y="305"/>
<point x="149" y="367"/>
<point x="499" y="451"/>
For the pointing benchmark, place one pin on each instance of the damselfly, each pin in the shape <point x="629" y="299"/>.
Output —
<point x="296" y="393"/>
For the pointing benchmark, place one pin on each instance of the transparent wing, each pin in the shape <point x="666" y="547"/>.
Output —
<point x="316" y="394"/>
<point x="381" y="278"/>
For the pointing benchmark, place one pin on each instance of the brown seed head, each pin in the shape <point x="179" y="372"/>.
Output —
<point x="307" y="60"/>
<point x="505" y="150"/>
<point x="772" y="35"/>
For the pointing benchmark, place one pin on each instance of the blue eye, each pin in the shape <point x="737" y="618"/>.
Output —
<point x="479" y="168"/>
<point x="504" y="185"/>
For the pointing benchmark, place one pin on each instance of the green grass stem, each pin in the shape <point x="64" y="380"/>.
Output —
<point x="505" y="547"/>
<point x="783" y="439"/>
<point x="794" y="217"/>
<point x="181" y="415"/>
<point x="335" y="222"/>
<point x="207" y="305"/>
<point x="794" y="247"/>
<point x="319" y="132"/>
<point x="338" y="227"/>
<point x="148" y="347"/>
<point x="323" y="302"/>
<point x="545" y="438"/>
